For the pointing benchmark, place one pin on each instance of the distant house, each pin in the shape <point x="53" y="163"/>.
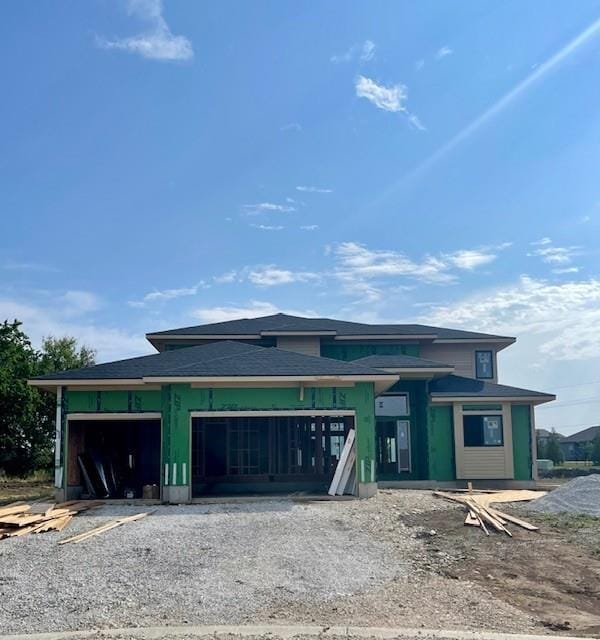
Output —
<point x="573" y="446"/>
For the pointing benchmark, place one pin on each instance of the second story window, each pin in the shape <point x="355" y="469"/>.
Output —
<point x="484" y="365"/>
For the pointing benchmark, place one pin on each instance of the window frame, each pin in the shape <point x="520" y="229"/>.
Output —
<point x="492" y="367"/>
<point x="394" y="394"/>
<point x="482" y="417"/>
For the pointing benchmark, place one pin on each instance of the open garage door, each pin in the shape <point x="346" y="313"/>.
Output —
<point x="266" y="454"/>
<point x="113" y="458"/>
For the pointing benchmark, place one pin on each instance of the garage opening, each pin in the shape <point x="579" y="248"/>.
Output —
<point x="113" y="459"/>
<point x="266" y="454"/>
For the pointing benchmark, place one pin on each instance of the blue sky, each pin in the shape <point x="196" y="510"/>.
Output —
<point x="167" y="164"/>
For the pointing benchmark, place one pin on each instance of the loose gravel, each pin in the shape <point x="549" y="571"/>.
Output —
<point x="277" y="562"/>
<point x="580" y="495"/>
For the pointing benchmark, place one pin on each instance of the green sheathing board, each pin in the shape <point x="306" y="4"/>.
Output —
<point x="441" y="443"/>
<point x="113" y="401"/>
<point x="354" y="351"/>
<point x="176" y="401"/>
<point x="417" y="398"/>
<point x="521" y="436"/>
<point x="182" y="399"/>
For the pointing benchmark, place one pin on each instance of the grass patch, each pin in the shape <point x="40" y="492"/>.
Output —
<point x="38" y="485"/>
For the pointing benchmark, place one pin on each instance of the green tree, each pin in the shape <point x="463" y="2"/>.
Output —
<point x="28" y="416"/>
<point x="596" y="450"/>
<point x="541" y="449"/>
<point x="586" y="450"/>
<point x="57" y="354"/>
<point x="20" y="440"/>
<point x="553" y="448"/>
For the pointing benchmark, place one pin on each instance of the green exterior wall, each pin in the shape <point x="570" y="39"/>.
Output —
<point x="176" y="401"/>
<point x="354" y="351"/>
<point x="417" y="398"/>
<point x="440" y="430"/>
<point x="521" y="436"/>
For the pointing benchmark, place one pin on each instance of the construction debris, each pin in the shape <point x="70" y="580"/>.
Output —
<point x="105" y="527"/>
<point x="18" y="519"/>
<point x="344" y="478"/>
<point x="481" y="514"/>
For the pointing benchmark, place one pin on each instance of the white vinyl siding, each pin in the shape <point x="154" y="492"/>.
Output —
<point x="460" y="356"/>
<point x="308" y="345"/>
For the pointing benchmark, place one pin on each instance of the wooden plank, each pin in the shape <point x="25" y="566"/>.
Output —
<point x="348" y="468"/>
<point x="14" y="508"/>
<point x="106" y="527"/>
<point x="339" y="470"/>
<point x="513" y="519"/>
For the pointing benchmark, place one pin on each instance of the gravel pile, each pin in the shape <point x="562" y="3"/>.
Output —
<point x="580" y="495"/>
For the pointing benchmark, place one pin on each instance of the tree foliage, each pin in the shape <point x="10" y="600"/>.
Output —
<point x="595" y="455"/>
<point x="553" y="449"/>
<point x="27" y="416"/>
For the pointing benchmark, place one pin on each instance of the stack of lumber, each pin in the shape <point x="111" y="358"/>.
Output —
<point x="104" y="527"/>
<point x="19" y="519"/>
<point x="480" y="512"/>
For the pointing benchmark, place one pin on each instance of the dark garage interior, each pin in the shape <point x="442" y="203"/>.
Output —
<point x="114" y="459"/>
<point x="266" y="454"/>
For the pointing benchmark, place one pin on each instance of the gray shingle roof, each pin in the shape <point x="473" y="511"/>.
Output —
<point x="400" y="362"/>
<point x="457" y="386"/>
<point x="216" y="359"/>
<point x="284" y="322"/>
<point x="585" y="435"/>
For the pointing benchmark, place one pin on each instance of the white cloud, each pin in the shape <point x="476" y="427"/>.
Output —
<point x="552" y="254"/>
<point x="558" y="343"/>
<point x="267" y="207"/>
<point x="157" y="42"/>
<point x="568" y="313"/>
<point x="364" y="52"/>
<point x="270" y="275"/>
<point x="167" y="294"/>
<point x="226" y="278"/>
<point x="443" y="52"/>
<point x="368" y="51"/>
<point x="268" y="227"/>
<point x="389" y="98"/>
<point x="563" y="270"/>
<point x="313" y="189"/>
<point x="49" y="318"/>
<point x="419" y="64"/>
<point x="79" y="302"/>
<point x="309" y="227"/>
<point x="253" y="309"/>
<point x="469" y="259"/>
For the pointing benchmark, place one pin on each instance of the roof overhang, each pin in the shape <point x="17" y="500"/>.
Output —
<point x="392" y="336"/>
<point x="496" y="399"/>
<point x="381" y="382"/>
<point x="419" y="372"/>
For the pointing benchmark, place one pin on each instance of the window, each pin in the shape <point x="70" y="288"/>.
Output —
<point x="392" y="405"/>
<point x="484" y="364"/>
<point x="483" y="431"/>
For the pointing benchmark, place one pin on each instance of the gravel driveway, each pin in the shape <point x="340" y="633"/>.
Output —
<point x="349" y="562"/>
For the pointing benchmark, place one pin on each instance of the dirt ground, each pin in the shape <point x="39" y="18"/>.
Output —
<point x="13" y="489"/>
<point x="553" y="574"/>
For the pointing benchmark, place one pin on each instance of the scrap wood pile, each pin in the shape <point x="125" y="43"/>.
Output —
<point x="480" y="512"/>
<point x="18" y="519"/>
